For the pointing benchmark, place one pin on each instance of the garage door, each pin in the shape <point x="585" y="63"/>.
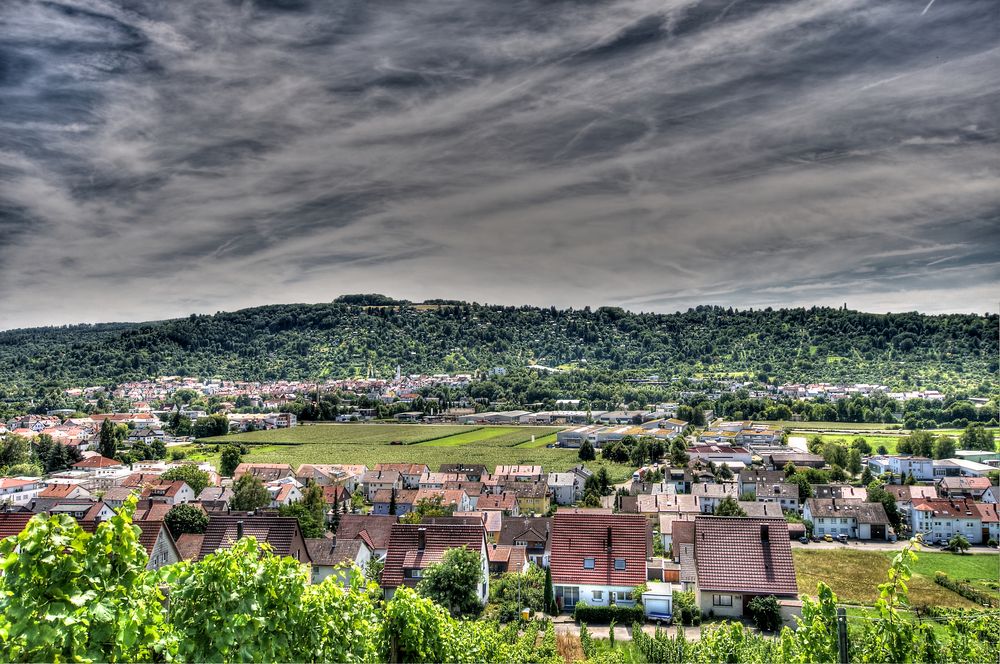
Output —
<point x="878" y="532"/>
<point x="657" y="606"/>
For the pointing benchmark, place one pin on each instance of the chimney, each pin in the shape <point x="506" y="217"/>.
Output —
<point x="239" y="530"/>
<point x="421" y="539"/>
<point x="764" y="533"/>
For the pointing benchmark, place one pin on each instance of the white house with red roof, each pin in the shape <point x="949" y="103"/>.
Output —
<point x="284" y="491"/>
<point x="942" y="518"/>
<point x="171" y="493"/>
<point x="598" y="557"/>
<point x="19" y="490"/>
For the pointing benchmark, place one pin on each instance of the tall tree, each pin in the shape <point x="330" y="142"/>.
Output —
<point x="454" y="582"/>
<point x="586" y="452"/>
<point x="230" y="460"/>
<point x="107" y="445"/>
<point x="186" y="518"/>
<point x="249" y="494"/>
<point x="195" y="478"/>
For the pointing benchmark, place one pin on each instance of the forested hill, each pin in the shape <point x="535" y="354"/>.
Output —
<point x="341" y="338"/>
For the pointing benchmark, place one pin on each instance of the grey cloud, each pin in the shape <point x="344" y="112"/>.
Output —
<point x="169" y="157"/>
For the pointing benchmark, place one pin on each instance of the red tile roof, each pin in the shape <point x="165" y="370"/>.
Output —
<point x="576" y="537"/>
<point x="281" y="532"/>
<point x="12" y="523"/>
<point x="954" y="508"/>
<point x="59" y="490"/>
<point x="97" y="461"/>
<point x="189" y="545"/>
<point x="403" y="552"/>
<point x="731" y="555"/>
<point x="149" y="532"/>
<point x="988" y="512"/>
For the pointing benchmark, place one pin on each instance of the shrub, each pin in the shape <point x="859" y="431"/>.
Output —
<point x="965" y="590"/>
<point x="766" y="613"/>
<point x="607" y="614"/>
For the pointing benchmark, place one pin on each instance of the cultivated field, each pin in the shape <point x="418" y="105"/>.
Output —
<point x="854" y="575"/>
<point x="433" y="445"/>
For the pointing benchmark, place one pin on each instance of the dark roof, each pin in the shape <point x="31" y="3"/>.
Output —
<point x="378" y="527"/>
<point x="266" y="472"/>
<point x="12" y="523"/>
<point x="731" y="555"/>
<point x="576" y="536"/>
<point x="463" y="468"/>
<point x="404" y="551"/>
<point x="281" y="532"/>
<point x="328" y="552"/>
<point x="524" y="528"/>
<point x="864" y="512"/>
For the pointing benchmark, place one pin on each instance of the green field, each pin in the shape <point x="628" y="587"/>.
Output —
<point x="433" y="445"/>
<point x="854" y="575"/>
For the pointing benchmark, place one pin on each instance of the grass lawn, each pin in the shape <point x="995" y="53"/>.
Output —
<point x="369" y="444"/>
<point x="854" y="575"/>
<point x="890" y="442"/>
<point x="980" y="569"/>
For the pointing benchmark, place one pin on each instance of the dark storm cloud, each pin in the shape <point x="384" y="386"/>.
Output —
<point x="161" y="158"/>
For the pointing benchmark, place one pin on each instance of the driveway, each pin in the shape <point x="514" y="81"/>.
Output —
<point x="859" y="545"/>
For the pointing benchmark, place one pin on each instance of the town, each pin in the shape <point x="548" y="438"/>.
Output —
<point x="648" y="518"/>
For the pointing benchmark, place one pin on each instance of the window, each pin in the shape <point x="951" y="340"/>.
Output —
<point x="598" y="595"/>
<point x="619" y="563"/>
<point x="588" y="563"/>
<point x="413" y="573"/>
<point x="621" y="596"/>
<point x="722" y="600"/>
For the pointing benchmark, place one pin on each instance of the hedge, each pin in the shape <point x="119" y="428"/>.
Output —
<point x="965" y="590"/>
<point x="622" y="615"/>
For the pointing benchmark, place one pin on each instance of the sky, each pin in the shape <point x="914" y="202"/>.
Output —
<point x="163" y="158"/>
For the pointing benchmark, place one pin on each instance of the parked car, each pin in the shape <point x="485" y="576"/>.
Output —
<point x="804" y="539"/>
<point x="842" y="539"/>
<point x="827" y="538"/>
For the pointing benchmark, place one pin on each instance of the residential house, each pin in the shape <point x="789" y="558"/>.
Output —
<point x="507" y="558"/>
<point x="751" y="477"/>
<point x="19" y="491"/>
<point x="963" y="487"/>
<point x="410" y="473"/>
<point x="215" y="498"/>
<point x="12" y="523"/>
<point x="115" y="497"/>
<point x="655" y="504"/>
<point x="598" y="558"/>
<point x="854" y="518"/>
<point x="901" y="466"/>
<point x="284" y="492"/>
<point x="97" y="463"/>
<point x="280" y="532"/>
<point x="345" y="475"/>
<point x="666" y="521"/>
<point x="380" y="480"/>
<point x="454" y="499"/>
<point x="415" y="547"/>
<point x="492" y="522"/>
<point x="710" y="495"/>
<point x="374" y="529"/>
<point x="172" y="493"/>
<point x="520" y="473"/>
<point x="563" y="488"/>
<point x="783" y="493"/>
<point x="907" y="494"/>
<point x="265" y="472"/>
<point x="531" y="532"/>
<point x="160" y="546"/>
<point x="990" y="519"/>
<point x="404" y="499"/>
<point x="532" y="497"/>
<point x="941" y="518"/>
<point x="505" y="503"/>
<point x="335" y="557"/>
<point x="737" y="558"/>
<point x="438" y="480"/>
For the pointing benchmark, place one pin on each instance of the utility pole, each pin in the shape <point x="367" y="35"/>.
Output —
<point x="842" y="635"/>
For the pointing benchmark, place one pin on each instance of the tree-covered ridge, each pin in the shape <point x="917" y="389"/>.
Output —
<point x="302" y="341"/>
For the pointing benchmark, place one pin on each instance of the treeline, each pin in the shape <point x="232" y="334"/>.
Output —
<point x="341" y="339"/>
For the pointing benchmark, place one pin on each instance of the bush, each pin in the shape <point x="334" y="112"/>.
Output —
<point x="685" y="610"/>
<point x="965" y="590"/>
<point x="623" y="615"/>
<point x="766" y="613"/>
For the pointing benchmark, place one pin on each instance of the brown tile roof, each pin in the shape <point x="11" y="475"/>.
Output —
<point x="12" y="523"/>
<point x="965" y="483"/>
<point x="503" y="502"/>
<point x="988" y="512"/>
<point x="189" y="545"/>
<point x="281" y="532"/>
<point x="732" y="555"/>
<point x="403" y="496"/>
<point x="404" y="553"/>
<point x="149" y="532"/>
<point x="377" y="526"/>
<point x="532" y="529"/>
<point x="911" y="492"/>
<point x="509" y="558"/>
<point x="576" y="537"/>
<point x="141" y="479"/>
<point x="147" y="510"/>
